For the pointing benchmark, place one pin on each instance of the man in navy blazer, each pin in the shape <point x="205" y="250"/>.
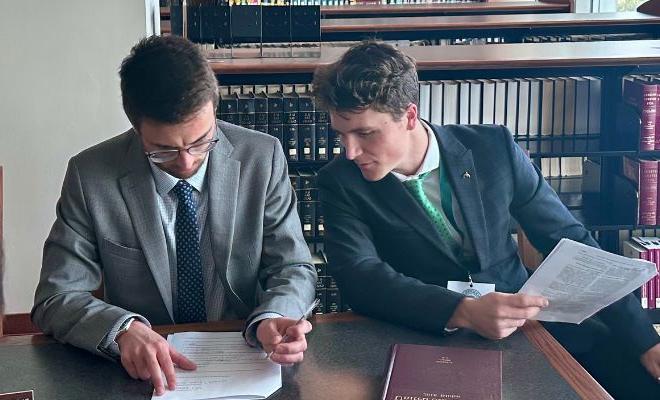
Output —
<point x="411" y="206"/>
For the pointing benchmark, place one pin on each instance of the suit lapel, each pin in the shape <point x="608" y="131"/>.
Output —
<point x="459" y="166"/>
<point x="139" y="192"/>
<point x="223" y="176"/>
<point x="394" y="194"/>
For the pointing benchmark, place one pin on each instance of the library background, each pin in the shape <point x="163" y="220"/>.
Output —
<point x="576" y="89"/>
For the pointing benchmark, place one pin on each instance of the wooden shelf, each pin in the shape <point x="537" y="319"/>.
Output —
<point x="567" y="23"/>
<point x="474" y="57"/>
<point x="519" y="7"/>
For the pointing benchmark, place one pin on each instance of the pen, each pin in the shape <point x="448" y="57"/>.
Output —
<point x="305" y="315"/>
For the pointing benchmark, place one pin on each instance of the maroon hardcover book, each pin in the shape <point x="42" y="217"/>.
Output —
<point x="437" y="372"/>
<point x="644" y="96"/>
<point x="644" y="173"/>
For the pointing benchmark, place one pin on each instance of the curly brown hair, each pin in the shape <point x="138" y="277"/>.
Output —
<point x="371" y="74"/>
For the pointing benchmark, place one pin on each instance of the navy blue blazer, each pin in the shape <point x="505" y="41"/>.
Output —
<point x="383" y="250"/>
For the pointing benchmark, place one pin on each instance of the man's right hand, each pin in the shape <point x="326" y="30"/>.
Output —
<point x="496" y="315"/>
<point x="146" y="355"/>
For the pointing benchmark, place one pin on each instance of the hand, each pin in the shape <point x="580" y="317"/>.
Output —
<point x="146" y="355"/>
<point x="270" y="333"/>
<point x="651" y="361"/>
<point x="496" y="315"/>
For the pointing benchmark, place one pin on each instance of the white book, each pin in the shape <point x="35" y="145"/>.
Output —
<point x="546" y="169"/>
<point x="235" y="89"/>
<point x="450" y="102"/>
<point x="594" y="104"/>
<point x="436" y="103"/>
<point x="288" y="88"/>
<point x="547" y="99"/>
<point x="523" y="106"/>
<point x="224" y="90"/>
<point x="488" y="101"/>
<point x="247" y="89"/>
<point x="425" y="100"/>
<point x="558" y="107"/>
<point x="534" y="107"/>
<point x="500" y="102"/>
<point x="260" y="89"/>
<point x="464" y="102"/>
<point x="512" y="100"/>
<point x="572" y="166"/>
<point x="569" y="106"/>
<point x="475" y="102"/>
<point x="274" y="88"/>
<point x="581" y="105"/>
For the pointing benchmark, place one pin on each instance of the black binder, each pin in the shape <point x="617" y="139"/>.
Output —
<point x="246" y="24"/>
<point x="276" y="24"/>
<point x="306" y="23"/>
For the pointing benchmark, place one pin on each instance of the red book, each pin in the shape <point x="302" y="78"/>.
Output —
<point x="644" y="173"/>
<point x="644" y="96"/>
<point x="437" y="372"/>
<point x="652" y="245"/>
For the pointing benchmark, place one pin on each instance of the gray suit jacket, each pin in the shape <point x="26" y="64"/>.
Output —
<point x="108" y="229"/>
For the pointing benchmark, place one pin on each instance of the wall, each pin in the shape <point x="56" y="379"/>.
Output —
<point x="59" y="93"/>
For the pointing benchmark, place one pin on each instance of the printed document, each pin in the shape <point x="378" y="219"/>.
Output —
<point x="227" y="368"/>
<point x="579" y="280"/>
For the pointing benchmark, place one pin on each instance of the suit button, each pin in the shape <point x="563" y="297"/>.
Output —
<point x="466" y="175"/>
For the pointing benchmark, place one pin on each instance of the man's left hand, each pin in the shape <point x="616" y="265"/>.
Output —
<point x="651" y="361"/>
<point x="270" y="334"/>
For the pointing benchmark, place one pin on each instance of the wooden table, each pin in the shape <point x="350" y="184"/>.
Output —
<point x="346" y="359"/>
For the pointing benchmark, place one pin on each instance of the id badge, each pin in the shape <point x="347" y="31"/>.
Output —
<point x="476" y="290"/>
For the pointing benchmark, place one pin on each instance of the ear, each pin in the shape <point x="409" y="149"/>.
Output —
<point x="411" y="116"/>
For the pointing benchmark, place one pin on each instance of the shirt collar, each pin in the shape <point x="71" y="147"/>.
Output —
<point x="431" y="159"/>
<point x="166" y="182"/>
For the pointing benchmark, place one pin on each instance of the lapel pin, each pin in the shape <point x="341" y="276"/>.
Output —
<point x="466" y="175"/>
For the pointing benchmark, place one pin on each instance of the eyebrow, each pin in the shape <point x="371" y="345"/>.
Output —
<point x="164" y="146"/>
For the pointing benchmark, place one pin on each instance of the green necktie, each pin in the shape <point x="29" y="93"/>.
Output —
<point x="415" y="186"/>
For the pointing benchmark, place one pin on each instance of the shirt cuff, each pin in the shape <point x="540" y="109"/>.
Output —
<point x="250" y="333"/>
<point x="108" y="346"/>
<point x="450" y="330"/>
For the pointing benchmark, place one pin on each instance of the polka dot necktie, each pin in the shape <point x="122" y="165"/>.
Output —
<point x="190" y="286"/>
<point x="415" y="187"/>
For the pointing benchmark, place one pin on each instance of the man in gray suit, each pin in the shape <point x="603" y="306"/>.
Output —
<point x="417" y="212"/>
<point x="181" y="219"/>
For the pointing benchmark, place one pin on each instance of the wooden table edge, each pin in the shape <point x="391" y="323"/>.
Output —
<point x="562" y="361"/>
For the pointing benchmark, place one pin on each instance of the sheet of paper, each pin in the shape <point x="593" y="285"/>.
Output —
<point x="227" y="368"/>
<point x="579" y="280"/>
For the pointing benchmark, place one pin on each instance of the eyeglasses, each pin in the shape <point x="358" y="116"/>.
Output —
<point x="162" y="156"/>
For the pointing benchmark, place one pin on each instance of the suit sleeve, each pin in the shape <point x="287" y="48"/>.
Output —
<point x="546" y="220"/>
<point x="287" y="278"/>
<point x="63" y="305"/>
<point x="370" y="285"/>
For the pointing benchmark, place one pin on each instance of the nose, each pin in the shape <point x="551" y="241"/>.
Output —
<point x="186" y="161"/>
<point x="351" y="147"/>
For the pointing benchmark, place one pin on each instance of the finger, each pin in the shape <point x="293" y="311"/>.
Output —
<point x="156" y="375"/>
<point x="521" y="313"/>
<point x="181" y="361"/>
<point x="287" y="359"/>
<point x="299" y="330"/>
<point x="167" y="367"/>
<point x="268" y="334"/>
<point x="296" y="346"/>
<point x="142" y="369"/>
<point x="525" y="300"/>
<point x="129" y="367"/>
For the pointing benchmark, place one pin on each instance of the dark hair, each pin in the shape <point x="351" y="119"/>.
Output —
<point x="167" y="79"/>
<point x="370" y="74"/>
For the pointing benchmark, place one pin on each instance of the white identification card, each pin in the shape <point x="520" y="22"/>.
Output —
<point x="476" y="290"/>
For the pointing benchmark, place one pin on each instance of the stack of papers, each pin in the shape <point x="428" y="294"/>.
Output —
<point x="227" y="368"/>
<point x="580" y="280"/>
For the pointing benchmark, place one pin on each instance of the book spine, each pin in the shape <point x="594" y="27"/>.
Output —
<point x="650" y="285"/>
<point x="648" y="192"/>
<point x="644" y="98"/>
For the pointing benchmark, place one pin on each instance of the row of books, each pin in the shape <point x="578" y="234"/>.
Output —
<point x="646" y="248"/>
<point x="286" y="112"/>
<point x="326" y="288"/>
<point x="222" y="25"/>
<point x="310" y="210"/>
<point x="529" y="39"/>
<point x="534" y="107"/>
<point x="643" y="92"/>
